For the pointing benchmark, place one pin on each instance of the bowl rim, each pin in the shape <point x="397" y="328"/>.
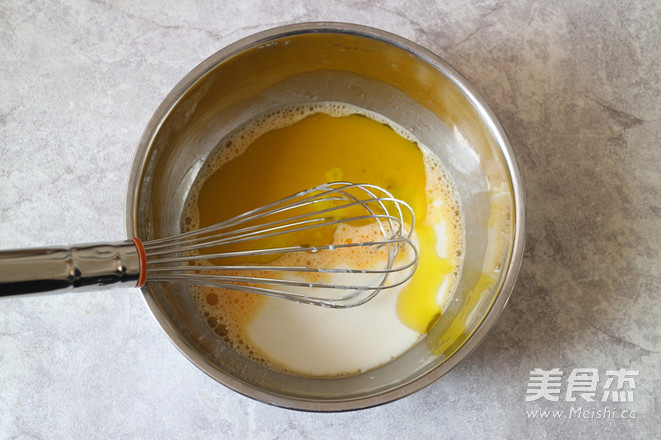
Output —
<point x="140" y="162"/>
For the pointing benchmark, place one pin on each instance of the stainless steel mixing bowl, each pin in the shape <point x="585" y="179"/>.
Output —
<point x="374" y="70"/>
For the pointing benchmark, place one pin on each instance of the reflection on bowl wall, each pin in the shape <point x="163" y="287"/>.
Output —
<point x="376" y="71"/>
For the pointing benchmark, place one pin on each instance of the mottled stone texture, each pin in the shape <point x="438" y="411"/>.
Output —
<point x="577" y="86"/>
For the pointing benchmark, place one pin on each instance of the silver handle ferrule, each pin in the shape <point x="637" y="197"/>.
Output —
<point x="90" y="266"/>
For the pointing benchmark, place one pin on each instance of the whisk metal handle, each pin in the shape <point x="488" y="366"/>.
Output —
<point x="81" y="267"/>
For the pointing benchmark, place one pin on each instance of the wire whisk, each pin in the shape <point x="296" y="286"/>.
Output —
<point x="336" y="245"/>
<point x="282" y="235"/>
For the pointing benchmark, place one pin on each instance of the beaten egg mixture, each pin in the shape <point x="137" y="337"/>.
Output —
<point x="301" y="147"/>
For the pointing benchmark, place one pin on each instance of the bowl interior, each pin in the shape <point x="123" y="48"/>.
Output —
<point x="369" y="69"/>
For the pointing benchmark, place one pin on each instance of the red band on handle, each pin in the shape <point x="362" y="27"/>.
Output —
<point x="142" y="255"/>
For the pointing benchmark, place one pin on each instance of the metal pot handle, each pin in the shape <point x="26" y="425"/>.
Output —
<point x="90" y="266"/>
